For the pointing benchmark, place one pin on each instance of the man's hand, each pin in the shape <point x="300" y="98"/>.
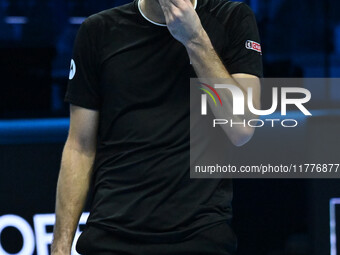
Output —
<point x="182" y="20"/>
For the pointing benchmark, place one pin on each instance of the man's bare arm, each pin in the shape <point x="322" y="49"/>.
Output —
<point x="207" y="64"/>
<point x="74" y="177"/>
<point x="185" y="26"/>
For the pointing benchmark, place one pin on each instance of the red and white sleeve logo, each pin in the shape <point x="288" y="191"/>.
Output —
<point x="251" y="45"/>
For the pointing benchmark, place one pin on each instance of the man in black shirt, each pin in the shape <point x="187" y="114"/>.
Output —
<point x="129" y="129"/>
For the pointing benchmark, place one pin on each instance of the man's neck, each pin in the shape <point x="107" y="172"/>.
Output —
<point x="153" y="11"/>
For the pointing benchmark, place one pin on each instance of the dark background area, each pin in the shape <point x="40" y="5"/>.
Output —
<point x="300" y="38"/>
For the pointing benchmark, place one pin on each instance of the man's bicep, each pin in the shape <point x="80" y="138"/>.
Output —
<point x="83" y="85"/>
<point x="83" y="128"/>
<point x="243" y="53"/>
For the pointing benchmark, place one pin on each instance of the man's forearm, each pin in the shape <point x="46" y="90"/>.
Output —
<point x="185" y="26"/>
<point x="204" y="58"/>
<point x="207" y="64"/>
<point x="72" y="189"/>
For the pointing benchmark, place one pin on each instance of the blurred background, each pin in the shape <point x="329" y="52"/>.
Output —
<point x="300" y="38"/>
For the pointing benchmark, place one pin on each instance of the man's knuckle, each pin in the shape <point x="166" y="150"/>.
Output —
<point x="178" y="14"/>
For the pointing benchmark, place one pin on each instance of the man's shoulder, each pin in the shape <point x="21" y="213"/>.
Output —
<point x="224" y="9"/>
<point x="110" y="16"/>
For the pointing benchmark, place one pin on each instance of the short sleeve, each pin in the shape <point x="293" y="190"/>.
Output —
<point x="83" y="85"/>
<point x="243" y="53"/>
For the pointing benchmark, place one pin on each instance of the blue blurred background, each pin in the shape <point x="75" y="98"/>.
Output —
<point x="300" y="38"/>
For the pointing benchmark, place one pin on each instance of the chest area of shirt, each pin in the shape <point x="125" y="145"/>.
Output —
<point x="142" y="54"/>
<point x="132" y="49"/>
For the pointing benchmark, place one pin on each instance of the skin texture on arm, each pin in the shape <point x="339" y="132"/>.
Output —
<point x="74" y="177"/>
<point x="185" y="26"/>
<point x="201" y="54"/>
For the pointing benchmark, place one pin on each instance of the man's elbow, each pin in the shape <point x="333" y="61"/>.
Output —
<point x="82" y="145"/>
<point x="242" y="136"/>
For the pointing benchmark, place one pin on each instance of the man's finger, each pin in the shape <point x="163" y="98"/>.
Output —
<point x="178" y="3"/>
<point x="163" y="3"/>
<point x="169" y="10"/>
<point x="164" y="6"/>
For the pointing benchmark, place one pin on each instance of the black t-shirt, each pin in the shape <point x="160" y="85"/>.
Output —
<point x="137" y="76"/>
